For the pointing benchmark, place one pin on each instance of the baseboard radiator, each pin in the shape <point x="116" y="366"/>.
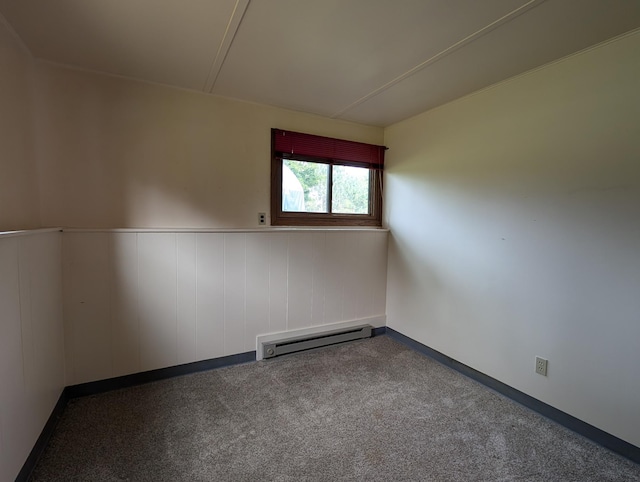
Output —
<point x="291" y="345"/>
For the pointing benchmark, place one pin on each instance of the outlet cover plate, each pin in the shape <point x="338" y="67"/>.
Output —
<point x="541" y="366"/>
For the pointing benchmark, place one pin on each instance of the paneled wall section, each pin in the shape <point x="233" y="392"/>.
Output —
<point x="31" y="342"/>
<point x="136" y="301"/>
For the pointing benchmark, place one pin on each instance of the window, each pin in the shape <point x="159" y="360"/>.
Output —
<point x="323" y="181"/>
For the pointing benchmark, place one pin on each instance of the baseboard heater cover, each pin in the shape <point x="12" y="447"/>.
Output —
<point x="291" y="345"/>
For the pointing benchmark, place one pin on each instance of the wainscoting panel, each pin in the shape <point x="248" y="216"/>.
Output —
<point x="257" y="301"/>
<point x="186" y="297"/>
<point x="144" y="300"/>
<point x="31" y="341"/>
<point x="209" y="296"/>
<point x="158" y="287"/>
<point x="335" y="258"/>
<point x="278" y="281"/>
<point x="235" y="271"/>
<point x="300" y="281"/>
<point x="86" y="285"/>
<point x="124" y="298"/>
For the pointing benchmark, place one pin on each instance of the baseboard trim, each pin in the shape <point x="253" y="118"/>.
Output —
<point x="595" y="434"/>
<point x="125" y="381"/>
<point x="378" y="331"/>
<point x="101" y="386"/>
<point x="43" y="439"/>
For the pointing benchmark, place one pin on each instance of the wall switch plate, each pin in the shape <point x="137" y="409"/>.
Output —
<point x="262" y="218"/>
<point x="541" y="366"/>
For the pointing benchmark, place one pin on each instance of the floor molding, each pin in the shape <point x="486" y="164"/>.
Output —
<point x="595" y="434"/>
<point x="91" y="388"/>
<point x="125" y="381"/>
<point x="101" y="386"/>
<point x="43" y="439"/>
<point x="378" y="331"/>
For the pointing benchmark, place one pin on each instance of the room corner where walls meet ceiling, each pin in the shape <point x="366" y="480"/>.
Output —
<point x="371" y="62"/>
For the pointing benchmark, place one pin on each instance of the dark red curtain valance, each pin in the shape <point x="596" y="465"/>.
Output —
<point x="292" y="145"/>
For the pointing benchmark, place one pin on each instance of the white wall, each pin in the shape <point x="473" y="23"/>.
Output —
<point x="515" y="221"/>
<point x="18" y="182"/>
<point x="136" y="301"/>
<point x="31" y="342"/>
<point x="117" y="153"/>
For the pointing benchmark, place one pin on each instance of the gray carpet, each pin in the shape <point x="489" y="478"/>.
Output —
<point x="368" y="410"/>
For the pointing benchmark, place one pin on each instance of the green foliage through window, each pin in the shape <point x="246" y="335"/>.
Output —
<point x="314" y="179"/>
<point x="350" y="193"/>
<point x="350" y="190"/>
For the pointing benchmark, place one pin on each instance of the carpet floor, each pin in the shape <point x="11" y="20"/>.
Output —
<point x="368" y="410"/>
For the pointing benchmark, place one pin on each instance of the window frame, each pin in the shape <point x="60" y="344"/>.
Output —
<point x="295" y="218"/>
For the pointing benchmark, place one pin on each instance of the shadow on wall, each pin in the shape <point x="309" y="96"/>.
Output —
<point x="494" y="262"/>
<point x="137" y="301"/>
<point x="120" y="153"/>
<point x="193" y="163"/>
<point x="127" y="154"/>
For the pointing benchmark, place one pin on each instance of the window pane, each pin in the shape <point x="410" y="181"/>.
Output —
<point x="304" y="186"/>
<point x="350" y="190"/>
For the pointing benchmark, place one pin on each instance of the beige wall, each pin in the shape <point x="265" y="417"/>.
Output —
<point x="120" y="153"/>
<point x="515" y="222"/>
<point x="18" y="185"/>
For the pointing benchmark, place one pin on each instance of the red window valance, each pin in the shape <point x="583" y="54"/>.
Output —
<point x="296" y="145"/>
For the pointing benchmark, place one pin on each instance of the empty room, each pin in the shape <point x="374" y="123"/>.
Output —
<point x="319" y="240"/>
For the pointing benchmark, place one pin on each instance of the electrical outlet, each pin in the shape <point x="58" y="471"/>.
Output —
<point x="262" y="218"/>
<point x="541" y="366"/>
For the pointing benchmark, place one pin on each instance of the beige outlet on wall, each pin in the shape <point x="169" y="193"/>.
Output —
<point x="541" y="366"/>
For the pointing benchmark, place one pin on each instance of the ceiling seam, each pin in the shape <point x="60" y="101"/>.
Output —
<point x="14" y="33"/>
<point x="239" y="10"/>
<point x="449" y="50"/>
<point x="617" y="38"/>
<point x="129" y="78"/>
<point x="155" y="83"/>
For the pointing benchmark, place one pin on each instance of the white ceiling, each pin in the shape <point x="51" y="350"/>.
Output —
<point x="370" y="61"/>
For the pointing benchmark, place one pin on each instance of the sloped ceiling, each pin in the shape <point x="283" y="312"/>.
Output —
<point x="371" y="61"/>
